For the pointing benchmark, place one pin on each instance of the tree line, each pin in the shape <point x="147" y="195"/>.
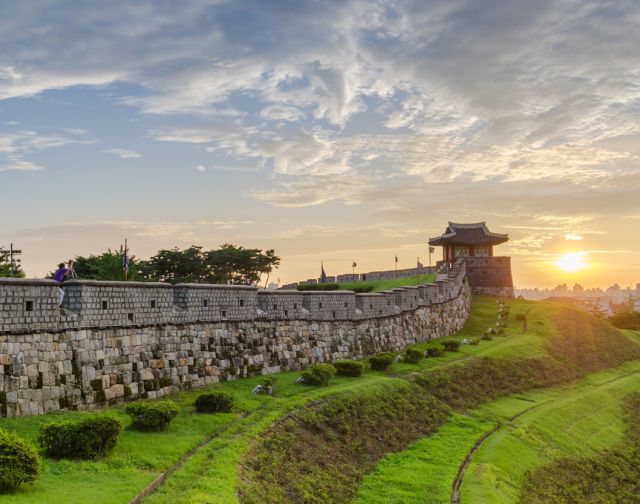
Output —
<point x="229" y="264"/>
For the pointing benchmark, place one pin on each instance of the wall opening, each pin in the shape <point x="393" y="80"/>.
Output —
<point x="130" y="317"/>
<point x="224" y="313"/>
<point x="28" y="306"/>
<point x="105" y="305"/>
<point x="242" y="302"/>
<point x="205" y="303"/>
<point x="153" y="303"/>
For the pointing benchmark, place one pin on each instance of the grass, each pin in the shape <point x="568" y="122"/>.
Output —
<point x="381" y="285"/>
<point x="582" y="418"/>
<point x="211" y="474"/>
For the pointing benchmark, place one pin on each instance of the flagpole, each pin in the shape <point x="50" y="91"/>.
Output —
<point x="418" y="268"/>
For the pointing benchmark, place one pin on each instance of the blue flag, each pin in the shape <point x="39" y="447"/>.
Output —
<point x="323" y="275"/>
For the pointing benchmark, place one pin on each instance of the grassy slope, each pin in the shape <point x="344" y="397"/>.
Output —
<point x="558" y="422"/>
<point x="425" y="471"/>
<point x="586" y="419"/>
<point x="380" y="285"/>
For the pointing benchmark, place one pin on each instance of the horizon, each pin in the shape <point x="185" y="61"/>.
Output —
<point x="355" y="134"/>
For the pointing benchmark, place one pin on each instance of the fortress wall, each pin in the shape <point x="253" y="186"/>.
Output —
<point x="490" y="275"/>
<point x="209" y="303"/>
<point x="88" y="356"/>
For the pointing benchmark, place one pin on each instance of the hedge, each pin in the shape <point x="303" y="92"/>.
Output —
<point x="349" y="368"/>
<point x="152" y="416"/>
<point x="318" y="287"/>
<point x="318" y="374"/>
<point x="381" y="361"/>
<point x="412" y="355"/>
<point x="19" y="462"/>
<point x="217" y="401"/>
<point x="451" y="345"/>
<point x="88" y="438"/>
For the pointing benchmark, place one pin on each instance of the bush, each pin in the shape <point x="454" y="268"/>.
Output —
<point x="413" y="356"/>
<point x="19" y="461"/>
<point x="362" y="288"/>
<point x="349" y="368"/>
<point x="318" y="287"/>
<point x="381" y="361"/>
<point x="433" y="352"/>
<point x="217" y="401"/>
<point x="152" y="416"/>
<point x="88" y="438"/>
<point x="474" y="341"/>
<point x="451" y="345"/>
<point x="486" y="337"/>
<point x="318" y="374"/>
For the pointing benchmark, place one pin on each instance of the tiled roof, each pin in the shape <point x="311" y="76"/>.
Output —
<point x="468" y="234"/>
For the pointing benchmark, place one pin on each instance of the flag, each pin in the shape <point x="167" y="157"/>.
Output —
<point x="125" y="260"/>
<point x="323" y="275"/>
<point x="432" y="250"/>
<point x="354" y="264"/>
<point x="420" y="266"/>
<point x="396" y="259"/>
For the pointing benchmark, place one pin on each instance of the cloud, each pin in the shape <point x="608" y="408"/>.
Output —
<point x="16" y="145"/>
<point x="123" y="153"/>
<point x="573" y="237"/>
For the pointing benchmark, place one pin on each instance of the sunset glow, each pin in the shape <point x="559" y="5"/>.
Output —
<point x="571" y="262"/>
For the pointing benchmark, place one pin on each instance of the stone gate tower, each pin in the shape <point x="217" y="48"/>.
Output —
<point x="487" y="273"/>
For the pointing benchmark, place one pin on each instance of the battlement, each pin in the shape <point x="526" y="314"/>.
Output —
<point x="31" y="305"/>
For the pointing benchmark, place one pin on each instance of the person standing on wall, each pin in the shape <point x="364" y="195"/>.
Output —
<point x="59" y="276"/>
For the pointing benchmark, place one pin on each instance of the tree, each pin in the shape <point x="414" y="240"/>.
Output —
<point x="231" y="264"/>
<point x="106" y="266"/>
<point x="7" y="269"/>
<point x="177" y="266"/>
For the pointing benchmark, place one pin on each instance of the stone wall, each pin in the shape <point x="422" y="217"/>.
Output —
<point x="150" y="340"/>
<point x="490" y="275"/>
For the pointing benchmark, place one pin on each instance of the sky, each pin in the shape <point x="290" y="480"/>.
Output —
<point x="332" y="131"/>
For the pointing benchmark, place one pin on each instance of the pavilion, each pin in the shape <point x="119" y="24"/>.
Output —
<point x="467" y="240"/>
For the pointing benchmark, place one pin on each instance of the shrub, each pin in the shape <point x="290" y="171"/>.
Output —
<point x="412" y="355"/>
<point x="88" y="438"/>
<point x="318" y="287"/>
<point x="474" y="341"/>
<point x="362" y="288"/>
<point x="349" y="368"/>
<point x="433" y="352"/>
<point x="152" y="416"/>
<point x="486" y="337"/>
<point x="381" y="361"/>
<point x="451" y="345"/>
<point x="217" y="401"/>
<point x="318" y="374"/>
<point x="19" y="461"/>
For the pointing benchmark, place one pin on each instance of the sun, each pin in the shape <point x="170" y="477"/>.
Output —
<point x="571" y="262"/>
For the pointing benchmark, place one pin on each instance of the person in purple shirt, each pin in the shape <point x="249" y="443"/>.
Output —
<point x="61" y="273"/>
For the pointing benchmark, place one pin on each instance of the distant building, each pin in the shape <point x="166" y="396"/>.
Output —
<point x="474" y="242"/>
